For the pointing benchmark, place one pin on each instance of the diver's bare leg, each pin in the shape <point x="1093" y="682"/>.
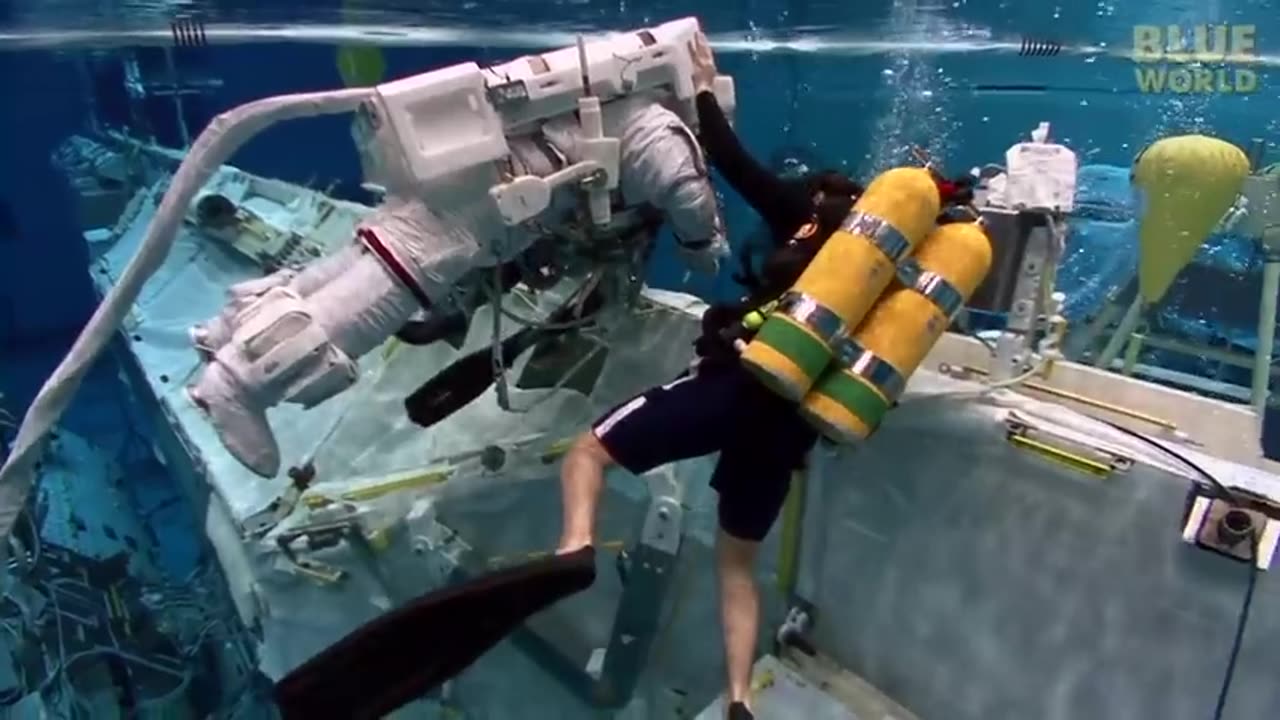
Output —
<point x="739" y="611"/>
<point x="581" y="482"/>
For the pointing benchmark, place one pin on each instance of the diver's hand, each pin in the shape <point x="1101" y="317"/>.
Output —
<point x="704" y="63"/>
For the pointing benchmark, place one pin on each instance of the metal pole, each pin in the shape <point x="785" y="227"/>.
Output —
<point x="1266" y="332"/>
<point x="177" y="98"/>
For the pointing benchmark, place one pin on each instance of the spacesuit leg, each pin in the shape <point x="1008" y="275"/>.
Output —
<point x="289" y="348"/>
<point x="321" y="272"/>
<point x="209" y="336"/>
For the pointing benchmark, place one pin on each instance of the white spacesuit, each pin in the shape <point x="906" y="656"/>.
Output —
<point x="295" y="336"/>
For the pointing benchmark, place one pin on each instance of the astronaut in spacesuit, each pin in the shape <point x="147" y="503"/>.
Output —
<point x="295" y="336"/>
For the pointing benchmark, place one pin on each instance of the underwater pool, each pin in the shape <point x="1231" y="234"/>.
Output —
<point x="1034" y="530"/>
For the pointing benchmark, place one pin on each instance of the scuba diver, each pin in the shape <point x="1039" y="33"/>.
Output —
<point x="295" y="335"/>
<point x="716" y="405"/>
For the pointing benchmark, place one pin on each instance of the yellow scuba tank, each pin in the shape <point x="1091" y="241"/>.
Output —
<point x="854" y="266"/>
<point x="872" y="366"/>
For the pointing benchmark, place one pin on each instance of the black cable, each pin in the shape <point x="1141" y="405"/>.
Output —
<point x="1221" y="490"/>
<point x="1255" y="538"/>
<point x="1241" y="622"/>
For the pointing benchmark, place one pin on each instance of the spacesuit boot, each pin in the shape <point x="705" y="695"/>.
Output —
<point x="241" y="424"/>
<point x="209" y="336"/>
<point x="287" y="348"/>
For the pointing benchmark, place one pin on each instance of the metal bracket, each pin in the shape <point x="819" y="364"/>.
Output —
<point x="1078" y="456"/>
<point x="1248" y="532"/>
<point x="794" y="631"/>
<point x="1039" y="263"/>
<point x="318" y="536"/>
<point x="650" y="570"/>
<point x="262" y="522"/>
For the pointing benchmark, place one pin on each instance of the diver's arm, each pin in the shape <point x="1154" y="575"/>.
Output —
<point x="781" y="205"/>
<point x="662" y="165"/>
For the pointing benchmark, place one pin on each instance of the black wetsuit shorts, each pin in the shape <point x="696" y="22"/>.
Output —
<point x="720" y="408"/>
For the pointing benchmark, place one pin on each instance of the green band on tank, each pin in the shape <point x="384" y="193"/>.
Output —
<point x="856" y="397"/>
<point x="807" y="352"/>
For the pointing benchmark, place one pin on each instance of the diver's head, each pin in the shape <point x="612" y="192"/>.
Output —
<point x="829" y="183"/>
<point x="833" y="195"/>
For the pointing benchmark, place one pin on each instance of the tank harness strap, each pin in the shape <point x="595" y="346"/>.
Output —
<point x="389" y="261"/>
<point x="884" y="236"/>
<point x="870" y="367"/>
<point x="935" y="288"/>
<point x="827" y="325"/>
<point x="814" y="315"/>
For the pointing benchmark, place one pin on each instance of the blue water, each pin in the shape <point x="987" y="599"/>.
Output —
<point x="820" y="83"/>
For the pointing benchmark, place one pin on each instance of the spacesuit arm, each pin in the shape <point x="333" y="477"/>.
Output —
<point x="662" y="165"/>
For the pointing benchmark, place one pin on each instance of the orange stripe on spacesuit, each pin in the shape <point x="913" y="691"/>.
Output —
<point x="371" y="241"/>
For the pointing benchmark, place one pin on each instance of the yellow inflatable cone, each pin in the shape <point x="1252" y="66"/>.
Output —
<point x="1188" y="182"/>
<point x="361" y="65"/>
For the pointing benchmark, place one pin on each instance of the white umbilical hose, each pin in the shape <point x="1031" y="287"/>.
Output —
<point x="224" y="135"/>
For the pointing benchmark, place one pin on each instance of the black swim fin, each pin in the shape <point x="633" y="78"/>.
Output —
<point x="398" y="657"/>
<point x="552" y="359"/>
<point x="458" y="385"/>
<point x="462" y="382"/>
<point x="739" y="711"/>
